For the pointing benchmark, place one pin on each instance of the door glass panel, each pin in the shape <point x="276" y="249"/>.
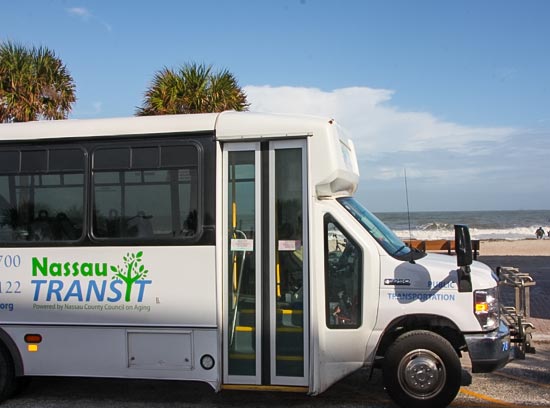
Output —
<point x="343" y="266"/>
<point x="242" y="260"/>
<point x="289" y="275"/>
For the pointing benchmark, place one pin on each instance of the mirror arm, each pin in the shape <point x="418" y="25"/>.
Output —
<point x="464" y="279"/>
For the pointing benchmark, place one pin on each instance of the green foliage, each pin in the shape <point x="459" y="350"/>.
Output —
<point x="34" y="84"/>
<point x="194" y="88"/>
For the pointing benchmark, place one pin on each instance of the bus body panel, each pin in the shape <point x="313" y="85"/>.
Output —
<point x="432" y="289"/>
<point x="144" y="352"/>
<point x="131" y="286"/>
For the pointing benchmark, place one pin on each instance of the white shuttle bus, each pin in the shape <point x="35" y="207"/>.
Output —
<point x="224" y="248"/>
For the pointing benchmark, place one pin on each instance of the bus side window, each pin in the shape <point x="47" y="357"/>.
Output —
<point x="64" y="229"/>
<point x="343" y="277"/>
<point x="146" y="191"/>
<point x="42" y="227"/>
<point x="140" y="225"/>
<point x="38" y="184"/>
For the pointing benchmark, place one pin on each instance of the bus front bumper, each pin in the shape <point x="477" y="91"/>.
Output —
<point x="489" y="351"/>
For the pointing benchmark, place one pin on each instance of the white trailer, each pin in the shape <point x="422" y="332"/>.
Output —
<point x="225" y="248"/>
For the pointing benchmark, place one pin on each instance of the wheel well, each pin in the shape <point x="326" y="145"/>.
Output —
<point x="10" y="346"/>
<point x="437" y="324"/>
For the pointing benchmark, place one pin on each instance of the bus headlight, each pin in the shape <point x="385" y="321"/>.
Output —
<point x="486" y="308"/>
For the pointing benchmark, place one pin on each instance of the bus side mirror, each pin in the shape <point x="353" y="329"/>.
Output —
<point x="463" y="245"/>
<point x="464" y="257"/>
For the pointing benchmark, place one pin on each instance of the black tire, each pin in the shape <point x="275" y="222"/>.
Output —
<point x="422" y="369"/>
<point x="7" y="374"/>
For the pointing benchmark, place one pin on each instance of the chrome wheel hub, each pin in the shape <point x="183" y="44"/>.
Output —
<point x="422" y="373"/>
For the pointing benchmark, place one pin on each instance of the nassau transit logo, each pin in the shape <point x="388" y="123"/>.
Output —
<point x="90" y="281"/>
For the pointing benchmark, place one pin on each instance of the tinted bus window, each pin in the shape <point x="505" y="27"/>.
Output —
<point x="344" y="276"/>
<point x="146" y="192"/>
<point x="41" y="195"/>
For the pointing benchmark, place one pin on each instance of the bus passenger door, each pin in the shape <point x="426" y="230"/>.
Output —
<point x="265" y="340"/>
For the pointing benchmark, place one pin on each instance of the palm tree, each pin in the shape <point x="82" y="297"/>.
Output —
<point x="194" y="88"/>
<point x="34" y="84"/>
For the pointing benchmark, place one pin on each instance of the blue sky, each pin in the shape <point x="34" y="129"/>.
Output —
<point x="456" y="92"/>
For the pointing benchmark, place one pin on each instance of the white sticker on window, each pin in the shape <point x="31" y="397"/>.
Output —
<point x="286" y="245"/>
<point x="242" y="245"/>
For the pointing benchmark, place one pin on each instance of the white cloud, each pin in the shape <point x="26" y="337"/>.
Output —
<point x="449" y="165"/>
<point x="376" y="126"/>
<point x="85" y="14"/>
<point x="79" y="12"/>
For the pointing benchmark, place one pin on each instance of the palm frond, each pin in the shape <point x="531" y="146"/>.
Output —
<point x="193" y="88"/>
<point x="34" y="84"/>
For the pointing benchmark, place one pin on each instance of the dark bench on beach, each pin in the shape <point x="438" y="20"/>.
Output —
<point x="439" y="245"/>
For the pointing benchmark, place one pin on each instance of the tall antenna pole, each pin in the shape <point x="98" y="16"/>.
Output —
<point x="408" y="212"/>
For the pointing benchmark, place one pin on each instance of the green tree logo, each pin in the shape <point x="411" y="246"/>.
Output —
<point x="132" y="271"/>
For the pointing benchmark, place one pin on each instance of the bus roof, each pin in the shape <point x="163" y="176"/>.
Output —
<point x="227" y="126"/>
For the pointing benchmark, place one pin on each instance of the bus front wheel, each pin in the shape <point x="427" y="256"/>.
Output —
<point x="421" y="369"/>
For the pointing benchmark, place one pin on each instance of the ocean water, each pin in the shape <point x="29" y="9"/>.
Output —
<point x="510" y="225"/>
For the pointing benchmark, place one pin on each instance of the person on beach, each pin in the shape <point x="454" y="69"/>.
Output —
<point x="539" y="233"/>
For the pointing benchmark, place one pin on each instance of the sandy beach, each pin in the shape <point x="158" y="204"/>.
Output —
<point x="527" y="247"/>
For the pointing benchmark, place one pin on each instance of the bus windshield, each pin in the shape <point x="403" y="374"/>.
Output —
<point x="379" y="231"/>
